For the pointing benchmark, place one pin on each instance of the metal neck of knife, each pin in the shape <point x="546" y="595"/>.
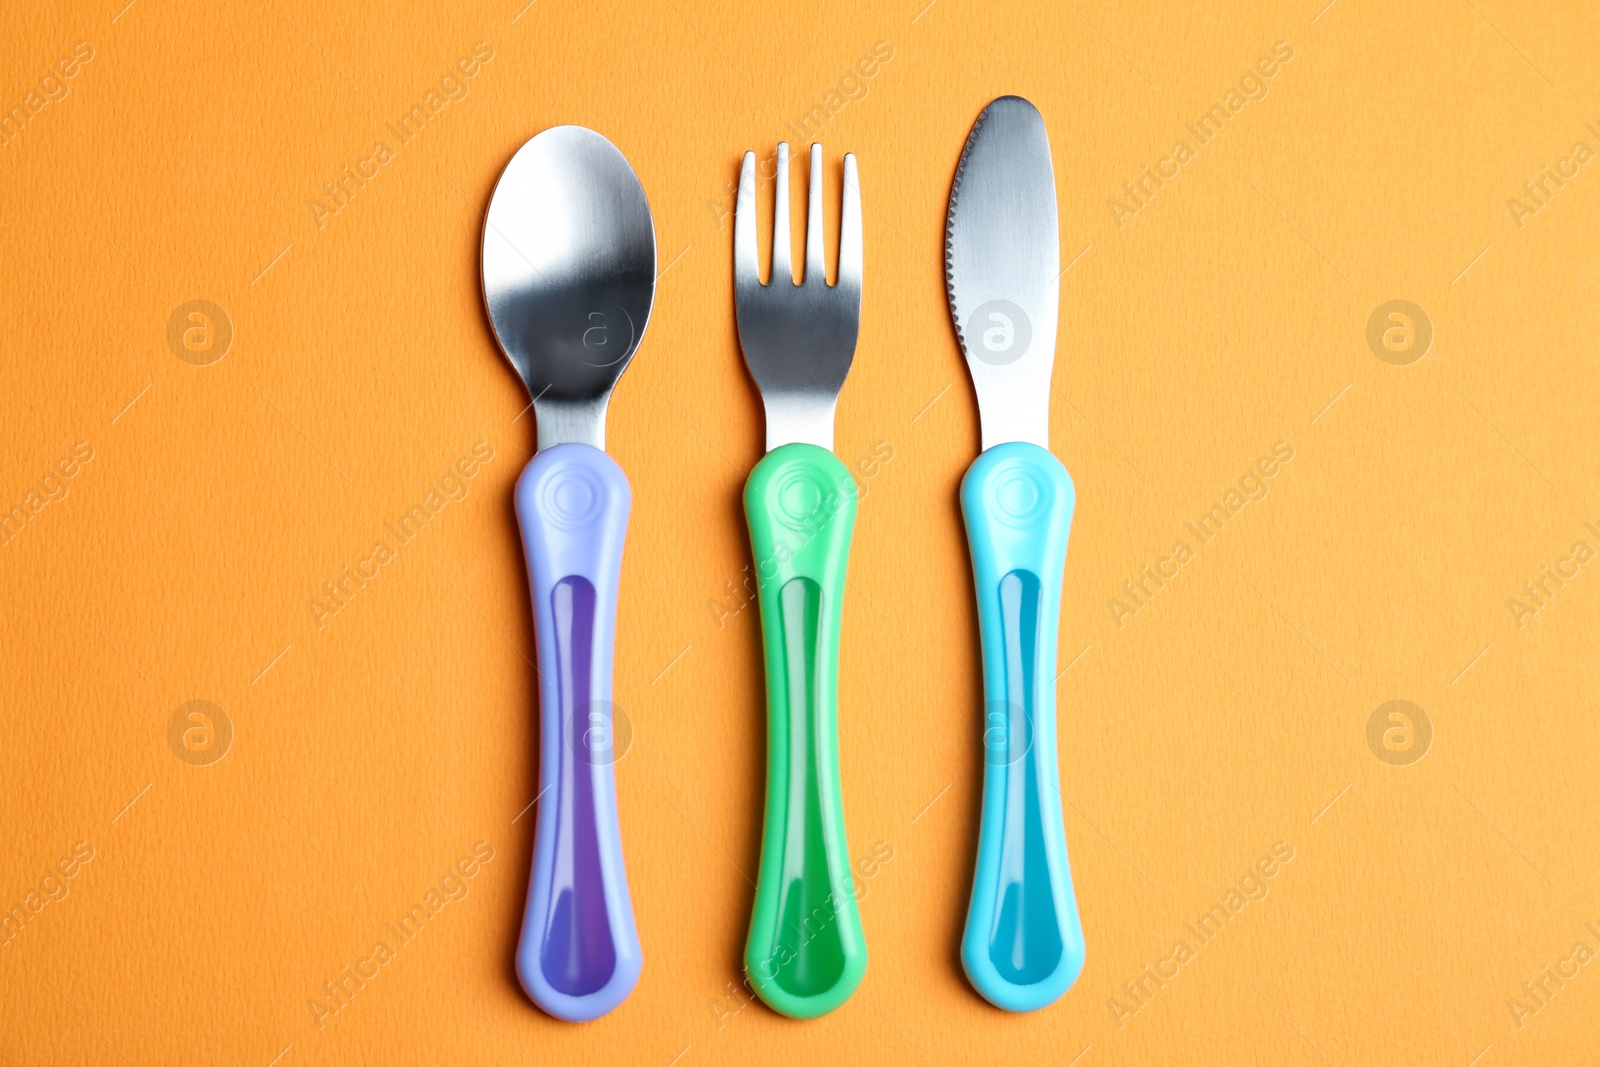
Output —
<point x="1013" y="400"/>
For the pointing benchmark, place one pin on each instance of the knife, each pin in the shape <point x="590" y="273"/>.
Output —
<point x="1023" y="945"/>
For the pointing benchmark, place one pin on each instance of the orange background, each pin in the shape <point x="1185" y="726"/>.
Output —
<point x="1228" y="714"/>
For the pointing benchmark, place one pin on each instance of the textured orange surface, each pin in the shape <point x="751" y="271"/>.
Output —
<point x="315" y="174"/>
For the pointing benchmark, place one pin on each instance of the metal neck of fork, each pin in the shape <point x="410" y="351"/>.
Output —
<point x="801" y="417"/>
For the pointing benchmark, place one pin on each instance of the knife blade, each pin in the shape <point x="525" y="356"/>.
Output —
<point x="1023" y="943"/>
<point x="1002" y="265"/>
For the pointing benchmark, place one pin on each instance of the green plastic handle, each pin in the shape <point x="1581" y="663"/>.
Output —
<point x="805" y="954"/>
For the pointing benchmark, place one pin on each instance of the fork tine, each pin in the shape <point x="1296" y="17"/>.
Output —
<point x="782" y="263"/>
<point x="850" y="227"/>
<point x="816" y="270"/>
<point x="744" y="223"/>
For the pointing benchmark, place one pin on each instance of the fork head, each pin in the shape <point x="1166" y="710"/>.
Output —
<point x="798" y="338"/>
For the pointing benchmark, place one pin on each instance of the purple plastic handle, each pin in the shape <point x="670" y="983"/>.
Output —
<point x="578" y="956"/>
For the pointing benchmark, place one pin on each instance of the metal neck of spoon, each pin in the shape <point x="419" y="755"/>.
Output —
<point x="568" y="421"/>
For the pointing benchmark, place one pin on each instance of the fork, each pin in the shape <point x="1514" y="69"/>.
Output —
<point x="805" y="954"/>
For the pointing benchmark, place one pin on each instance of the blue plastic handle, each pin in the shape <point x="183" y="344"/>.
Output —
<point x="1023" y="945"/>
<point x="578" y="956"/>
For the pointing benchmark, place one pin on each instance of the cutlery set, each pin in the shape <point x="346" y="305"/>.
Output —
<point x="569" y="269"/>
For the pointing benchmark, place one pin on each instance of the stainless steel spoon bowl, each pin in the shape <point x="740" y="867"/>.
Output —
<point x="569" y="275"/>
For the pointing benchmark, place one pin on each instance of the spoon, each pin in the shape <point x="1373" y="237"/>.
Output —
<point x="569" y="271"/>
